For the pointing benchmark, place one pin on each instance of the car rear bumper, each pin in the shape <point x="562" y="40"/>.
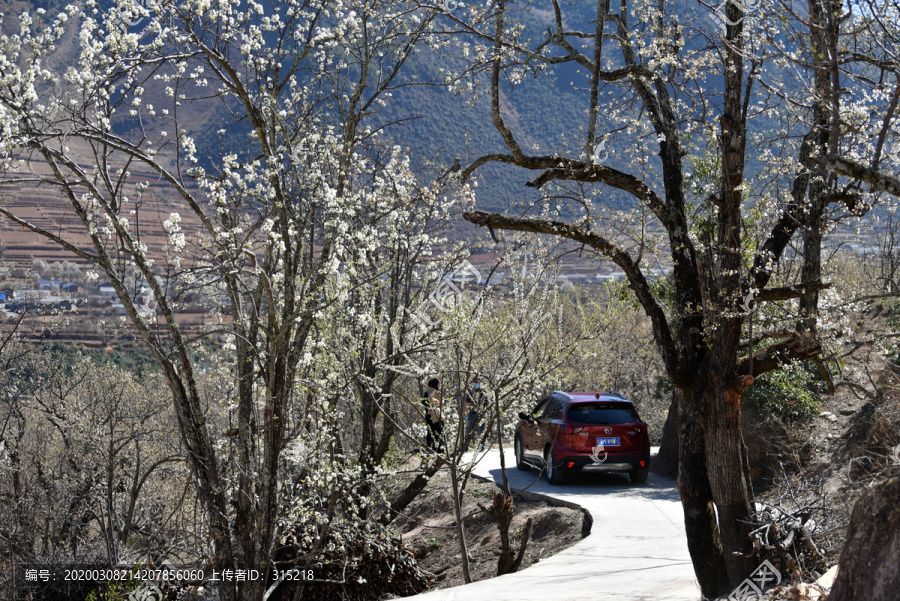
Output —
<point x="607" y="467"/>
<point x="579" y="462"/>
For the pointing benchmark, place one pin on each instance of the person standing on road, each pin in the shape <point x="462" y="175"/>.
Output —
<point x="433" y="418"/>
<point x="476" y="405"/>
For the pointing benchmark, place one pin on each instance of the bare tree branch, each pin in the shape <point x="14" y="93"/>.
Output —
<point x="878" y="179"/>
<point x="789" y="292"/>
<point x="796" y="348"/>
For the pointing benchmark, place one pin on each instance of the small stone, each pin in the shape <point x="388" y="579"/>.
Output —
<point x="828" y="415"/>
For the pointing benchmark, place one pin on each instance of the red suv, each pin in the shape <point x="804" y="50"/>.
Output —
<point x="586" y="432"/>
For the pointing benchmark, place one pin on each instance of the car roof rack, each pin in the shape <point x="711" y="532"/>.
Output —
<point x="563" y="394"/>
<point x="603" y="393"/>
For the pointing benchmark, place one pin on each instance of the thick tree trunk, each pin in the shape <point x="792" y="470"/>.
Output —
<point x="666" y="461"/>
<point x="812" y="262"/>
<point x="722" y="386"/>
<point x="714" y="491"/>
<point x="696" y="497"/>
<point x="725" y="460"/>
<point x="816" y="180"/>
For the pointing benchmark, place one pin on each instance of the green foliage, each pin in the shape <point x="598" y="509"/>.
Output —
<point x="791" y="393"/>
<point x="663" y="289"/>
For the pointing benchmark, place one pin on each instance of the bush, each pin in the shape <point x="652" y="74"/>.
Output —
<point x="357" y="562"/>
<point x="791" y="393"/>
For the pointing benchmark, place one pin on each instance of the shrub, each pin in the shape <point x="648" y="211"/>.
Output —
<point x="356" y="562"/>
<point x="791" y="393"/>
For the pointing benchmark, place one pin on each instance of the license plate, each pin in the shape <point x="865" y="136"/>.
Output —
<point x="609" y="442"/>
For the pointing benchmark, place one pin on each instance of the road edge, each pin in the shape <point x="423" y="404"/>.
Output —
<point x="587" y="520"/>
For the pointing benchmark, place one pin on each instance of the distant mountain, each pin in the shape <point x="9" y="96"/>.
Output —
<point x="546" y="114"/>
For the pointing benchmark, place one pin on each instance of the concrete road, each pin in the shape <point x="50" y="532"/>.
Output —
<point x="637" y="549"/>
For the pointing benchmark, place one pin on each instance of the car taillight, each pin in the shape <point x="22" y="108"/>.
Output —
<point x="566" y="429"/>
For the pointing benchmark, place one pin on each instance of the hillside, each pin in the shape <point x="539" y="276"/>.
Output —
<point x="546" y="112"/>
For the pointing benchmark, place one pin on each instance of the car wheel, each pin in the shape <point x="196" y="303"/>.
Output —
<point x="639" y="475"/>
<point x="520" y="455"/>
<point x="555" y="473"/>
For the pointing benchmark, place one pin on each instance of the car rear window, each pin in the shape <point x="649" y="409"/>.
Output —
<point x="602" y="413"/>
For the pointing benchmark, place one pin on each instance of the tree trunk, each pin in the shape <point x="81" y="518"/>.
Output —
<point x="502" y="510"/>
<point x="812" y="258"/>
<point x="722" y="387"/>
<point x="696" y="498"/>
<point x="725" y="458"/>
<point x="817" y="178"/>
<point x="666" y="461"/>
<point x="460" y="524"/>
<point x="408" y="494"/>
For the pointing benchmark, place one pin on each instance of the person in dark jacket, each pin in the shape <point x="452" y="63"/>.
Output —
<point x="433" y="418"/>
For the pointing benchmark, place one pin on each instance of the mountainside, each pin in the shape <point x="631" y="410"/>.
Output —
<point x="546" y="112"/>
<point x="433" y="123"/>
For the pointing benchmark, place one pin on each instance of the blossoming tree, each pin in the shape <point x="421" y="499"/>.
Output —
<point x="291" y="207"/>
<point x="682" y="89"/>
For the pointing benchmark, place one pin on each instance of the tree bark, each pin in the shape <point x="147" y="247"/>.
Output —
<point x="817" y="190"/>
<point x="812" y="264"/>
<point x="502" y="510"/>
<point x="666" y="461"/>
<point x="725" y="461"/>
<point x="879" y="180"/>
<point x="408" y="494"/>
<point x="722" y="390"/>
<point x="700" y="524"/>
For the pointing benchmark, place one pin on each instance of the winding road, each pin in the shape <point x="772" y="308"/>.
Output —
<point x="636" y="551"/>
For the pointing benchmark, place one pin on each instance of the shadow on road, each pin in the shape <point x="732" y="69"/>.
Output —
<point x="657" y="488"/>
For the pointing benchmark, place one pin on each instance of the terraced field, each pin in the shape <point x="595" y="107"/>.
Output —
<point x="48" y="208"/>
